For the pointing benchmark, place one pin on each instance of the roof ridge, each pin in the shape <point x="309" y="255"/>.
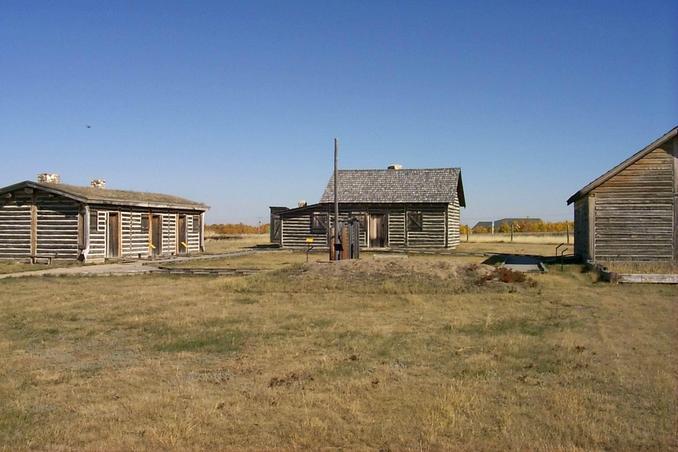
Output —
<point x="402" y="169"/>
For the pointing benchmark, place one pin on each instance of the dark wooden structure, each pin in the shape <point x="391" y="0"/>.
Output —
<point x="60" y="221"/>
<point x="396" y="208"/>
<point x="630" y="212"/>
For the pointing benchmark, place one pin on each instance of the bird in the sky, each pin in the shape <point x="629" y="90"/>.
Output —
<point x="88" y="126"/>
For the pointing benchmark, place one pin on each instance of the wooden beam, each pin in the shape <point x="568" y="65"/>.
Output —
<point x="592" y="227"/>
<point x="34" y="225"/>
<point x="675" y="199"/>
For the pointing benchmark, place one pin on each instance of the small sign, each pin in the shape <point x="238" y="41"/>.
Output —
<point x="309" y="240"/>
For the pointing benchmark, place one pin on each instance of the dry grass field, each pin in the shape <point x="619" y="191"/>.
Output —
<point x="425" y="352"/>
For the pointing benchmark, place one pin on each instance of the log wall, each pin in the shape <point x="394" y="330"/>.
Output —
<point x="15" y="226"/>
<point x="440" y="225"/>
<point x="37" y="223"/>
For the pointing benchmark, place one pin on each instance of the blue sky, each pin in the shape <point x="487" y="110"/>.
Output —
<point x="236" y="104"/>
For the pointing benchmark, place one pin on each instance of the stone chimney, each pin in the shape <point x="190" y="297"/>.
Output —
<point x="395" y="166"/>
<point x="49" y="178"/>
<point x="98" y="183"/>
<point x="302" y="203"/>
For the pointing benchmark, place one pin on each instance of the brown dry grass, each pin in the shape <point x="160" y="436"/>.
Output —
<point x="213" y="246"/>
<point x="641" y="267"/>
<point x="380" y="354"/>
<point x="524" y="237"/>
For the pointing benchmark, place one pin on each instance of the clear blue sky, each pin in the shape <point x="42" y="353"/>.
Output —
<point x="236" y="104"/>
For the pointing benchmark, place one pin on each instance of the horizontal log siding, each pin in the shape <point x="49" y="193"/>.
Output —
<point x="296" y="229"/>
<point x="396" y="226"/>
<point x="15" y="227"/>
<point x="169" y="234"/>
<point x="193" y="237"/>
<point x="97" y="236"/>
<point x="57" y="226"/>
<point x="634" y="211"/>
<point x="453" y="222"/>
<point x="433" y="230"/>
<point x="135" y="240"/>
<point x="581" y="228"/>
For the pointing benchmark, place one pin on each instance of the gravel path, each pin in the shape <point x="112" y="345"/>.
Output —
<point x="121" y="269"/>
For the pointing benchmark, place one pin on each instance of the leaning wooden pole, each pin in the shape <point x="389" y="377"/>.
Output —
<point x="336" y="198"/>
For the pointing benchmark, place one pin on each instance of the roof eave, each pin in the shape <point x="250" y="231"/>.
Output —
<point x="54" y="189"/>
<point x="623" y="165"/>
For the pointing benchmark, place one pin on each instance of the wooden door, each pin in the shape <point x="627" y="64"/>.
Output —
<point x="113" y="235"/>
<point x="182" y="237"/>
<point x="378" y="231"/>
<point x="156" y="236"/>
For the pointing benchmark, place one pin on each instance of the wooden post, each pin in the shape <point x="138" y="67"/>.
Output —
<point x="468" y="232"/>
<point x="567" y="231"/>
<point x="591" y="229"/>
<point x="511" y="231"/>
<point x="336" y="198"/>
<point x="34" y="226"/>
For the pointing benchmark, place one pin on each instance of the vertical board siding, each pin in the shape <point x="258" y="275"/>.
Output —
<point x="581" y="228"/>
<point x="15" y="227"/>
<point x="634" y="211"/>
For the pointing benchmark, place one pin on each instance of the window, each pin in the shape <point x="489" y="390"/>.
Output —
<point x="319" y="222"/>
<point x="93" y="221"/>
<point x="144" y="222"/>
<point x="415" y="221"/>
<point x="196" y="224"/>
<point x="362" y="219"/>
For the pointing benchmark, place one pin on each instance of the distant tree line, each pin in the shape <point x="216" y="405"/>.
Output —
<point x="236" y="228"/>
<point x="542" y="226"/>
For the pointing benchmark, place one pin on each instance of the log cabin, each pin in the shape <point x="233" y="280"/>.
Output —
<point x="50" y="220"/>
<point x="630" y="213"/>
<point x="396" y="208"/>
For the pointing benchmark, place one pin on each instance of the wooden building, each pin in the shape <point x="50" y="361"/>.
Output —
<point x="397" y="208"/>
<point x="630" y="212"/>
<point x="48" y="219"/>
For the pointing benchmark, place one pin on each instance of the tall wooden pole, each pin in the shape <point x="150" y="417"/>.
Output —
<point x="336" y="198"/>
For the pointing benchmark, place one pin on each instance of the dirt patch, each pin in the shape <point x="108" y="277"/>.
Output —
<point x="291" y="379"/>
<point x="407" y="275"/>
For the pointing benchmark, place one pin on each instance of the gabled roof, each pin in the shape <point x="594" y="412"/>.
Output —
<point x="91" y="195"/>
<point x="436" y="185"/>
<point x="625" y="164"/>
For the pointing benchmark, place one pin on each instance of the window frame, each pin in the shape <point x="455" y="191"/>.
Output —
<point x="317" y="225"/>
<point x="362" y="219"/>
<point x="145" y="223"/>
<point x="413" y="224"/>
<point x="195" y="224"/>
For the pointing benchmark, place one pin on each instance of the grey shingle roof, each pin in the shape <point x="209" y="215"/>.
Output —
<point x="436" y="185"/>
